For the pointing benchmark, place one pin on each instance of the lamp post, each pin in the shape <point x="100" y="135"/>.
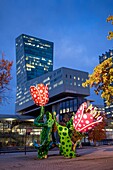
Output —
<point x="25" y="139"/>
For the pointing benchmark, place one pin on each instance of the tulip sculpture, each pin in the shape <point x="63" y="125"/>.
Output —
<point x="40" y="97"/>
<point x="84" y="120"/>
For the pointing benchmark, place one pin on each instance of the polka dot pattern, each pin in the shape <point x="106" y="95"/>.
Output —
<point x="83" y="122"/>
<point x="40" y="94"/>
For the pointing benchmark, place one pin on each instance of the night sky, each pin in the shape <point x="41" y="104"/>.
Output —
<point x="78" y="29"/>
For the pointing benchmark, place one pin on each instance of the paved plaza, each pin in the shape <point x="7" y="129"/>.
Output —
<point x="90" y="158"/>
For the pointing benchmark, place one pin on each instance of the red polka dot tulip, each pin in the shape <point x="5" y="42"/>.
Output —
<point x="40" y="94"/>
<point x="86" y="118"/>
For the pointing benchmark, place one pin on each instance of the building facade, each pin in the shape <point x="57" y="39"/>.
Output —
<point x="34" y="57"/>
<point x="108" y="109"/>
<point x="65" y="92"/>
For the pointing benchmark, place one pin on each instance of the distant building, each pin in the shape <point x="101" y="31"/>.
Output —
<point x="99" y="107"/>
<point x="108" y="109"/>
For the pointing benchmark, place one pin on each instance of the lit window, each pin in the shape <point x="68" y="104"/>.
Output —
<point x="105" y="57"/>
<point x="29" y="41"/>
<point x="47" y="45"/>
<point x="49" y="88"/>
<point x="64" y="110"/>
<point x="67" y="109"/>
<point x="43" y="59"/>
<point x="108" y="113"/>
<point x="48" y="83"/>
<point x="60" y="111"/>
<point x="41" y="47"/>
<point x="50" y="61"/>
<point x="78" y="78"/>
<point x="26" y="100"/>
<point x="61" y="82"/>
<point x="28" y="69"/>
<point x="74" y="83"/>
<point x="32" y="38"/>
<point x="46" y="69"/>
<point x="30" y="66"/>
<point x="47" y="79"/>
<point x="33" y="45"/>
<point x="55" y="85"/>
<point x="20" y="103"/>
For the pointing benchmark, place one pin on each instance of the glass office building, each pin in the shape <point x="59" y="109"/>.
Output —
<point x="34" y="57"/>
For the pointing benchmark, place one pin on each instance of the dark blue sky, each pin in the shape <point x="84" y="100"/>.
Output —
<point x="78" y="29"/>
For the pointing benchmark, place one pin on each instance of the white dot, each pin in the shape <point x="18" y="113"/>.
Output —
<point x="81" y="108"/>
<point x="79" y="115"/>
<point x="75" y="116"/>
<point x="79" y="125"/>
<point x="34" y="95"/>
<point x="85" y="116"/>
<point x="87" y="121"/>
<point x="41" y="91"/>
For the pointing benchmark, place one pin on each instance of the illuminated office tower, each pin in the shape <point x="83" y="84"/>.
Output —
<point x="34" y="57"/>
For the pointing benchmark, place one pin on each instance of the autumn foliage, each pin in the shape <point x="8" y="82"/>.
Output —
<point x="5" y="76"/>
<point x="102" y="80"/>
<point x="98" y="133"/>
<point x="110" y="19"/>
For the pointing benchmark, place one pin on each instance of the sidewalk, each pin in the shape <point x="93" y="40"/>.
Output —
<point x="91" y="158"/>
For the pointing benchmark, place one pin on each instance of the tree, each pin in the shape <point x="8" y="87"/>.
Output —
<point x="5" y="77"/>
<point x="102" y="80"/>
<point x="102" y="77"/>
<point x="110" y="36"/>
<point x="98" y="132"/>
